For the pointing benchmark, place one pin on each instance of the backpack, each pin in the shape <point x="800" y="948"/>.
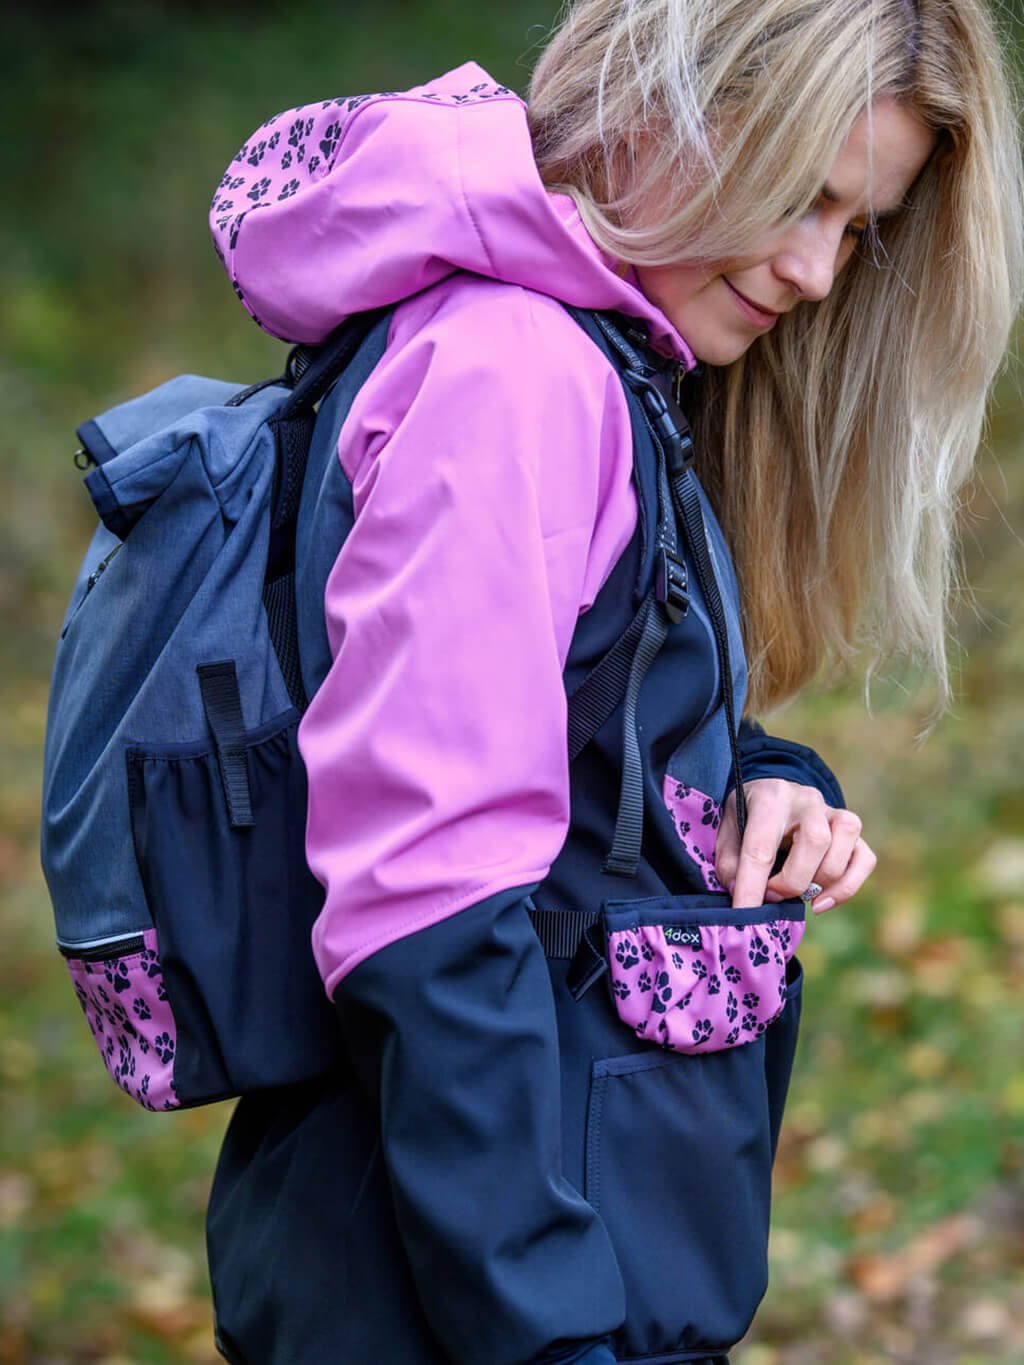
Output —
<point x="174" y="795"/>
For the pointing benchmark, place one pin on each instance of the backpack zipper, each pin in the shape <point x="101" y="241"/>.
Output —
<point x="90" y="583"/>
<point x="94" y="577"/>
<point x="103" y="952"/>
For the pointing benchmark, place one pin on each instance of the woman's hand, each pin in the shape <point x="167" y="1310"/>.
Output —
<point x="824" y="846"/>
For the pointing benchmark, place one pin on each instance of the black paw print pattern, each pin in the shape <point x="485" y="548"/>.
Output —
<point x="696" y="817"/>
<point x="626" y="954"/>
<point x="758" y="952"/>
<point x="117" y="976"/>
<point x="297" y="147"/>
<point x="135" y="1033"/>
<point x="662" y="993"/>
<point x="705" y="987"/>
<point x="164" y="1045"/>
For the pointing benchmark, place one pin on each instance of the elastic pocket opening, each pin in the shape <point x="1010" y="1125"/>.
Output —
<point x="695" y="975"/>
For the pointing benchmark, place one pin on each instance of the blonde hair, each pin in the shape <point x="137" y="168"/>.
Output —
<point x="834" y="450"/>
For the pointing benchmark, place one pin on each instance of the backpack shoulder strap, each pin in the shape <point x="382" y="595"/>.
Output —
<point x="618" y="676"/>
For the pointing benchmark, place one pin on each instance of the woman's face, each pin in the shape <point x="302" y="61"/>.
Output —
<point x="722" y="307"/>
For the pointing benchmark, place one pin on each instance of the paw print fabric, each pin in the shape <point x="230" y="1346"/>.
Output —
<point x="696" y="817"/>
<point x="694" y="977"/>
<point x="125" y="1004"/>
<point x="275" y="190"/>
<point x="360" y="201"/>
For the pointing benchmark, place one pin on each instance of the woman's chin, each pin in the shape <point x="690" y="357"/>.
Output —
<point x="720" y="350"/>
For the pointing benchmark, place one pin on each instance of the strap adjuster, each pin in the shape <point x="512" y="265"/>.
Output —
<point x="671" y="585"/>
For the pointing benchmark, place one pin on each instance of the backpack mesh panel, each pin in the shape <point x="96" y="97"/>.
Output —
<point x="279" y="601"/>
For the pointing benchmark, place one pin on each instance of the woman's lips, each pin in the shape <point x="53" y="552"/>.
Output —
<point x="764" y="318"/>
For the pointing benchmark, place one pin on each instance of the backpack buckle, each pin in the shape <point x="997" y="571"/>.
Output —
<point x="671" y="585"/>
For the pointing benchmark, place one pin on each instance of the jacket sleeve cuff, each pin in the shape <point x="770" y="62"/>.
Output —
<point x="764" y="755"/>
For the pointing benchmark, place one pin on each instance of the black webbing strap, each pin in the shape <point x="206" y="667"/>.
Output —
<point x="292" y="436"/>
<point x="600" y="692"/>
<point x="577" y="936"/>
<point x="309" y="374"/>
<point x="222" y="702"/>
<point x="560" y="931"/>
<point x="594" y="701"/>
<point x="623" y="858"/>
<point x="687" y="500"/>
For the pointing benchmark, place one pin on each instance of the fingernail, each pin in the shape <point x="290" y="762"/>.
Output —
<point x="822" y="904"/>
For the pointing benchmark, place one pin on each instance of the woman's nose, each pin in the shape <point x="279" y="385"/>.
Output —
<point x="810" y="260"/>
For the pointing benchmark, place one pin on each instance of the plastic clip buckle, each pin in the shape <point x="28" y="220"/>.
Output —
<point x="671" y="585"/>
<point x="670" y="427"/>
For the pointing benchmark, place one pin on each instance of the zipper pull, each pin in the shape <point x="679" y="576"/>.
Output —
<point x="93" y="578"/>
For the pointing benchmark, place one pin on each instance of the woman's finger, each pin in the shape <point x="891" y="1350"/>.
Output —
<point x="846" y="829"/>
<point x="860" y="867"/>
<point x="766" y="821"/>
<point x="811" y="843"/>
<point x="727" y="845"/>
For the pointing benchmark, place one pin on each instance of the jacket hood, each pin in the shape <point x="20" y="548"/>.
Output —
<point x="350" y="204"/>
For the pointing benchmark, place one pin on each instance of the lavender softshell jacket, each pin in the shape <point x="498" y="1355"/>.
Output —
<point x="490" y="456"/>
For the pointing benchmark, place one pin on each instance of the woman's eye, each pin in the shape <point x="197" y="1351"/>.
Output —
<point x="859" y="232"/>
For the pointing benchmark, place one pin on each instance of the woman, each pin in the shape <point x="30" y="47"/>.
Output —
<point x="820" y="205"/>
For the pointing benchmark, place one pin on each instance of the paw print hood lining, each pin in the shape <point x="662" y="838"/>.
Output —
<point x="356" y="203"/>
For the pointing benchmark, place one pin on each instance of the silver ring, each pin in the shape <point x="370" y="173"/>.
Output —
<point x="812" y="892"/>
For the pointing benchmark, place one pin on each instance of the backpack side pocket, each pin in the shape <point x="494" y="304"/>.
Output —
<point x="233" y="909"/>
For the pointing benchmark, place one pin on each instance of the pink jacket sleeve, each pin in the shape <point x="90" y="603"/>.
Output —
<point x="490" y="456"/>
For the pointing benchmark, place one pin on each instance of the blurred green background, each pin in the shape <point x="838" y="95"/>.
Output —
<point x="899" y="1228"/>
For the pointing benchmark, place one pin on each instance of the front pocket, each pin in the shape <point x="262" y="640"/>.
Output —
<point x="694" y="974"/>
<point x="678" y="1163"/>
